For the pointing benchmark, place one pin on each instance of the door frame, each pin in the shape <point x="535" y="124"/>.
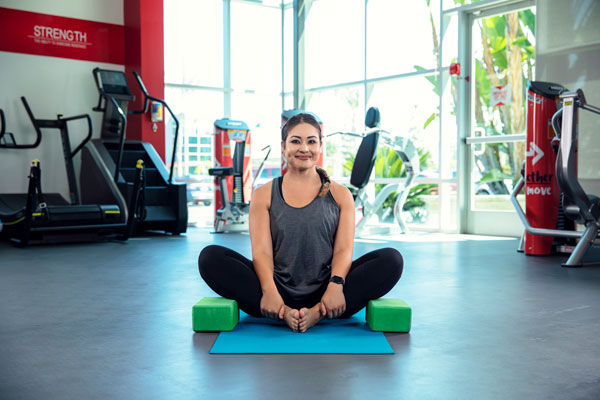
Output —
<point x="475" y="221"/>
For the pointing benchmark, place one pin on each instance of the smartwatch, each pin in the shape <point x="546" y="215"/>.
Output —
<point x="337" y="279"/>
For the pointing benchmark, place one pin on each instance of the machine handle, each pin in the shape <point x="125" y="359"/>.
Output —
<point x="122" y="139"/>
<point x="98" y="107"/>
<point x="88" y="136"/>
<point x="346" y="133"/>
<point x="176" y="134"/>
<point x="38" y="132"/>
<point x="262" y="164"/>
<point x="144" y="108"/>
<point x="140" y="82"/>
<point x="2" y="124"/>
<point x="556" y="123"/>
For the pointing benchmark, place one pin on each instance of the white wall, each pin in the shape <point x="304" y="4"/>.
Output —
<point x="52" y="86"/>
<point x="568" y="52"/>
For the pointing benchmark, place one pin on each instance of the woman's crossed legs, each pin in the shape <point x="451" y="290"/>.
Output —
<point x="232" y="275"/>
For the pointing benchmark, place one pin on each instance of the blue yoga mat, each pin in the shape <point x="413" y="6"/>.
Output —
<point x="338" y="336"/>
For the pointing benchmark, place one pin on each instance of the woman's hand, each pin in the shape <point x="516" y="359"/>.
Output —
<point x="333" y="302"/>
<point x="271" y="304"/>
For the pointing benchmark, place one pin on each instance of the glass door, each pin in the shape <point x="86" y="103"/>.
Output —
<point x="500" y="56"/>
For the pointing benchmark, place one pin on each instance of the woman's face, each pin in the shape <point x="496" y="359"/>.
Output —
<point x="302" y="146"/>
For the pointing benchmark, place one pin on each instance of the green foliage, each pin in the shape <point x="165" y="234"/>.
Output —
<point x="433" y="79"/>
<point x="527" y="18"/>
<point x="389" y="165"/>
<point x="482" y="81"/>
<point x="526" y="46"/>
<point x="494" y="175"/>
<point x="348" y="163"/>
<point x="494" y="27"/>
<point x="416" y="193"/>
<point x="430" y="119"/>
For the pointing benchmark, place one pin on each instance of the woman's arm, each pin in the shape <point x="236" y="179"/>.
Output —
<point x="344" y="238"/>
<point x="333" y="303"/>
<point x="271" y="304"/>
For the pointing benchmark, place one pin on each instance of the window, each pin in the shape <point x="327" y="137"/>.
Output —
<point x="262" y="113"/>
<point x="186" y="56"/>
<point x="334" y="42"/>
<point x="413" y="116"/>
<point x="255" y="47"/>
<point x="383" y="53"/>
<point x="401" y="36"/>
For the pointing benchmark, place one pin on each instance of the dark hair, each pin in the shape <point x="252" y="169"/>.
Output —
<point x="301" y="118"/>
<point x="305" y="118"/>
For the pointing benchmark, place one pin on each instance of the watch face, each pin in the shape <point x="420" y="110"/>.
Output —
<point x="337" y="279"/>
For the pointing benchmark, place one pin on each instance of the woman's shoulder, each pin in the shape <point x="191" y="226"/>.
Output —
<point x="262" y="194"/>
<point x="341" y="194"/>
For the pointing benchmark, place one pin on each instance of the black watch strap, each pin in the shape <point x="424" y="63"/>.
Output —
<point x="337" y="279"/>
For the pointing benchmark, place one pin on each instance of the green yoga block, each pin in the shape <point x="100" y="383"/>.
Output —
<point x="215" y="314"/>
<point x="389" y="315"/>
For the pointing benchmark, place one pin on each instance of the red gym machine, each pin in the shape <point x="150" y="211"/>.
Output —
<point x="232" y="172"/>
<point x="555" y="200"/>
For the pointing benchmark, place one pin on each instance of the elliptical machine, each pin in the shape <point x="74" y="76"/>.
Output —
<point x="577" y="205"/>
<point x="363" y="167"/>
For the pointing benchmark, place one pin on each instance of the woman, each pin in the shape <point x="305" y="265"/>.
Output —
<point x="302" y="235"/>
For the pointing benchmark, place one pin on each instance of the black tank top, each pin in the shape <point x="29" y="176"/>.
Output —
<point x="302" y="241"/>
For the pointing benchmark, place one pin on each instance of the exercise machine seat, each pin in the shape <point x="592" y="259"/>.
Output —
<point x="221" y="171"/>
<point x="364" y="161"/>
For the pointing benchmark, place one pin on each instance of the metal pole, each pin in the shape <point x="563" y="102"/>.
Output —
<point x="227" y="57"/>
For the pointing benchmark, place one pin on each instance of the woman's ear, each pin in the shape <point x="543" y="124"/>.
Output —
<point x="282" y="146"/>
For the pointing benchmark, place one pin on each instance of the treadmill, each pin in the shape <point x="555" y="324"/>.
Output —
<point x="36" y="216"/>
<point x="156" y="203"/>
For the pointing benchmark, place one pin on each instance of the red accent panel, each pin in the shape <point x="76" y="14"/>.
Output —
<point x="50" y="35"/>
<point x="144" y="49"/>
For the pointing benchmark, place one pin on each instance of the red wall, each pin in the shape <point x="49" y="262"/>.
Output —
<point x="144" y="53"/>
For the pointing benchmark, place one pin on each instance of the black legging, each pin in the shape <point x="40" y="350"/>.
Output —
<point x="232" y="275"/>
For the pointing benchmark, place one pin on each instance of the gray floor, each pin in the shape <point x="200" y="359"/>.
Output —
<point x="113" y="321"/>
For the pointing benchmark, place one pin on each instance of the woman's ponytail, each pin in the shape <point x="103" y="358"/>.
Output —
<point x="325" y="181"/>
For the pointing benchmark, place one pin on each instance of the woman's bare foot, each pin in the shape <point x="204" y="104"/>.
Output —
<point x="292" y="318"/>
<point x="309" y="317"/>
